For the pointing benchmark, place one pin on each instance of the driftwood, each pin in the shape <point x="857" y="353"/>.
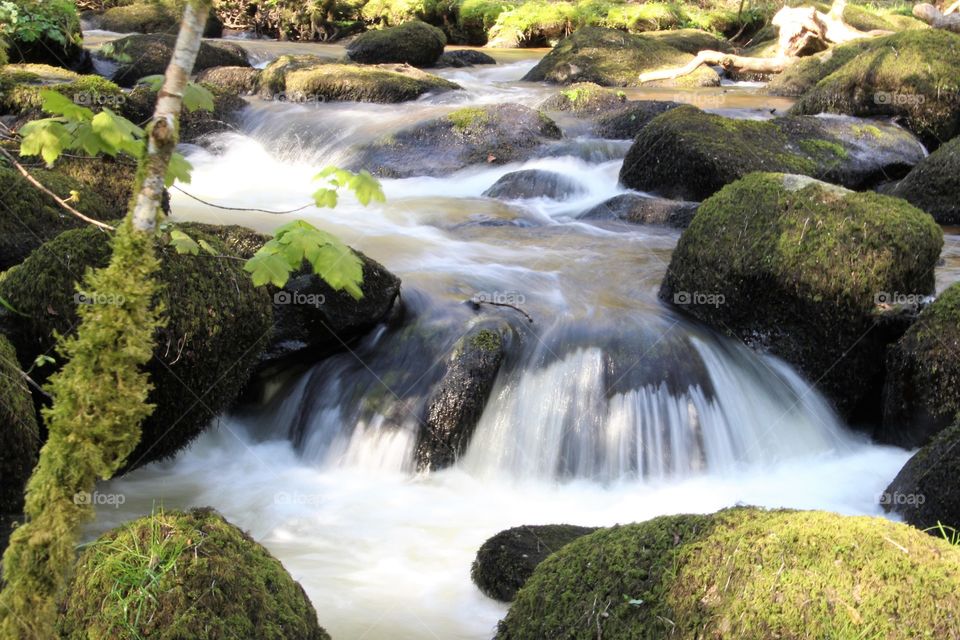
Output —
<point x="803" y="31"/>
<point x="949" y="19"/>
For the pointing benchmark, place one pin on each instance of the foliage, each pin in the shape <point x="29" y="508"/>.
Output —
<point x="32" y="20"/>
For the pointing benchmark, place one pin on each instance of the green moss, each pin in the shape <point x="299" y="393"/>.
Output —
<point x="806" y="72"/>
<point x="820" y="148"/>
<point x="19" y="433"/>
<point x="743" y="573"/>
<point x="415" y="43"/>
<point x="273" y="77"/>
<point x="361" y="83"/>
<point x="934" y="183"/>
<point x="140" y="17"/>
<point x="184" y="575"/>
<point x="469" y="118"/>
<point x="925" y="492"/>
<point x="21" y="85"/>
<point x="487" y="340"/>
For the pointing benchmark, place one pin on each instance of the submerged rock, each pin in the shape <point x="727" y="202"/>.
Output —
<point x="585" y="98"/>
<point x="687" y="153"/>
<point x="416" y="43"/>
<point x="922" y="392"/>
<point x="147" y="55"/>
<point x="613" y="58"/>
<point x="631" y="207"/>
<point x="495" y="134"/>
<point x="19" y="433"/>
<point x="795" y="266"/>
<point x="694" y="576"/>
<point x="534" y="183"/>
<point x="925" y="492"/>
<point x="914" y="75"/>
<point x="934" y="184"/>
<point x="629" y="120"/>
<point x="464" y="58"/>
<point x="208" y="579"/>
<point x="459" y="397"/>
<point x="507" y="560"/>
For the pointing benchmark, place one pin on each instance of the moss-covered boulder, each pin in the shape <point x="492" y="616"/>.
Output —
<point x="30" y="217"/>
<point x="227" y="105"/>
<point x="914" y="75"/>
<point x="925" y="492"/>
<point x="109" y="179"/>
<point x="459" y="397"/>
<point x="534" y="183"/>
<point x="463" y="58"/>
<point x="638" y="209"/>
<point x="795" y="266"/>
<point x="934" y="184"/>
<point x="922" y="392"/>
<point x="184" y="575"/>
<point x="384" y="83"/>
<point x="743" y="573"/>
<point x="20" y="87"/>
<point x="139" y="56"/>
<point x="415" y="43"/>
<point x="218" y="325"/>
<point x="495" y="134"/>
<point x="585" y="98"/>
<point x="19" y="433"/>
<point x="690" y="154"/>
<point x="613" y="58"/>
<point x="241" y="81"/>
<point x="139" y="17"/>
<point x="45" y="33"/>
<point x="628" y="121"/>
<point x="506" y="561"/>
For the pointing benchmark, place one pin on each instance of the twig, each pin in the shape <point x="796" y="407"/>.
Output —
<point x="477" y="303"/>
<point x="220" y="206"/>
<point x="60" y="201"/>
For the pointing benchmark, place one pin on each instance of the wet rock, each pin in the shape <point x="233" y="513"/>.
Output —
<point x="20" y="87"/>
<point x="495" y="134"/>
<point x="227" y="106"/>
<point x="925" y="492"/>
<point x="464" y="58"/>
<point x="534" y="183"/>
<point x="934" y="184"/>
<point x="922" y="392"/>
<point x="19" y="434"/>
<point x="383" y="83"/>
<point x="584" y="98"/>
<point x="687" y="153"/>
<point x="629" y="120"/>
<point x="795" y="267"/>
<point x="508" y="559"/>
<point x="459" y="397"/>
<point x="140" y="17"/>
<point x="146" y="55"/>
<point x="613" y="58"/>
<point x="241" y="81"/>
<point x="638" y="209"/>
<point x="415" y="43"/>
<point x="913" y="75"/>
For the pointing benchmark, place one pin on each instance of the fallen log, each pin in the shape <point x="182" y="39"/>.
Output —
<point x="938" y="19"/>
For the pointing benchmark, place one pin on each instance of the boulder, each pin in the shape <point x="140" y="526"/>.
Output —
<point x="913" y="75"/>
<point x="139" y="17"/>
<point x="384" y="83"/>
<point x="415" y="43"/>
<point x="507" y="560"/>
<point x="934" y="184"/>
<point x="109" y="179"/>
<point x="695" y="576"/>
<point x="20" y="87"/>
<point x="690" y="154"/>
<point x="463" y="58"/>
<point x="613" y="58"/>
<point x="458" y="399"/>
<point x="139" y="56"/>
<point x="628" y="121"/>
<point x="227" y="105"/>
<point x="585" y="98"/>
<point x="795" y="267"/>
<point x="19" y="434"/>
<point x="184" y="575"/>
<point x="534" y="183"/>
<point x="495" y="134"/>
<point x="925" y="492"/>
<point x="922" y="391"/>
<point x="218" y="324"/>
<point x="241" y="81"/>
<point x="637" y="209"/>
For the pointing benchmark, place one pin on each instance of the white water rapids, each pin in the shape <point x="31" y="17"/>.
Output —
<point x="581" y="427"/>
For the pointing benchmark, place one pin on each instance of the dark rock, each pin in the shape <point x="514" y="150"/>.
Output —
<point x="227" y="106"/>
<point x="147" y="55"/>
<point x="415" y="43"/>
<point x="534" y="183"/>
<point x="19" y="434"/>
<point x="626" y="122"/>
<point x="508" y="559"/>
<point x="925" y="492"/>
<point x="495" y="134"/>
<point x="934" y="184"/>
<point x="638" y="209"/>
<point x="463" y="58"/>
<point x="241" y="81"/>
<point x="140" y="17"/>
<point x="585" y="98"/>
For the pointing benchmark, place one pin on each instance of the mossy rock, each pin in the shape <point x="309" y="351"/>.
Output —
<point x="20" y="87"/>
<point x="415" y="43"/>
<point x="585" y="98"/>
<point x="218" y="325"/>
<point x="460" y="58"/>
<point x="30" y="217"/>
<point x="690" y="41"/>
<point x="384" y="83"/>
<point x="110" y="179"/>
<point x="495" y="134"/>
<point x="240" y="81"/>
<point x="743" y="573"/>
<point x="140" y="17"/>
<point x="922" y="392"/>
<point x="934" y="184"/>
<point x="51" y="35"/>
<point x="273" y="77"/>
<point x="800" y="265"/>
<point x="628" y="121"/>
<point x="613" y="58"/>
<point x="913" y="74"/>
<point x="147" y="55"/>
<point x="689" y="154"/>
<point x="19" y="433"/>
<point x="227" y="105"/>
<point x="184" y="575"/>
<point x="925" y="492"/>
<point x="507" y="560"/>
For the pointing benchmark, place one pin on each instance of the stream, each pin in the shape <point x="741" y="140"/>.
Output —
<point x="578" y="429"/>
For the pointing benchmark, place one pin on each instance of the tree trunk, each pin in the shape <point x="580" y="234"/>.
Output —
<point x="936" y="18"/>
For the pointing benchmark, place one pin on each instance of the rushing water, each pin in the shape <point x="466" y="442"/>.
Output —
<point x="589" y="422"/>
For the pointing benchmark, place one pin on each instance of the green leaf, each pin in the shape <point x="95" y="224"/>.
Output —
<point x="43" y="360"/>
<point x="206" y="247"/>
<point x="58" y="104"/>
<point x="367" y="188"/>
<point x="9" y="307"/>
<point x="268" y="267"/>
<point x="325" y="198"/>
<point x="184" y="244"/>
<point x="46" y="138"/>
<point x="118" y="133"/>
<point x="340" y="267"/>
<point x="196" y="97"/>
<point x="154" y="82"/>
<point x="178" y="169"/>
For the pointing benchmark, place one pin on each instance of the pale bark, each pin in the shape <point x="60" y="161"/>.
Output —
<point x="938" y="19"/>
